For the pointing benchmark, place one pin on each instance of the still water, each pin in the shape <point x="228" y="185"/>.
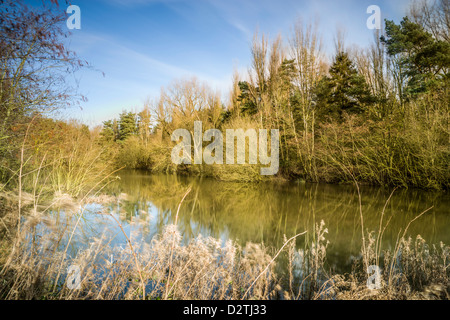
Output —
<point x="266" y="212"/>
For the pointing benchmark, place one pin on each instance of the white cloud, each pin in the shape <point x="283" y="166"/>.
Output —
<point x="137" y="3"/>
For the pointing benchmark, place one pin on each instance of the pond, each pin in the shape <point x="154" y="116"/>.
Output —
<point x="266" y="212"/>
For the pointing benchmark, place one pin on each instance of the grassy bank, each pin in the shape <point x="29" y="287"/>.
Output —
<point x="36" y="266"/>
<point x="413" y="156"/>
<point x="377" y="115"/>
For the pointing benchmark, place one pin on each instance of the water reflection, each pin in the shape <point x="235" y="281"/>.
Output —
<point x="266" y="212"/>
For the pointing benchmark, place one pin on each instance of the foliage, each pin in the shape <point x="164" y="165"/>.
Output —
<point x="34" y="63"/>
<point x="379" y="116"/>
<point x="424" y="59"/>
<point x="344" y="91"/>
<point x="207" y="269"/>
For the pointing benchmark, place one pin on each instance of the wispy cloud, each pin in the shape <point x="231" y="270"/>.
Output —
<point x="142" y="45"/>
<point x="110" y="49"/>
<point x="137" y="3"/>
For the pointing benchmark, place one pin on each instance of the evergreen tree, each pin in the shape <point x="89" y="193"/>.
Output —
<point x="248" y="105"/>
<point x="423" y="60"/>
<point x="344" y="90"/>
<point x="128" y="125"/>
<point x="109" y="131"/>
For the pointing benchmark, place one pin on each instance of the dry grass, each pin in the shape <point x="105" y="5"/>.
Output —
<point x="204" y="269"/>
<point x="207" y="268"/>
<point x="34" y="262"/>
<point x="418" y="272"/>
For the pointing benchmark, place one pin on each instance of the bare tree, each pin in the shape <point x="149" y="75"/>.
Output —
<point x="434" y="16"/>
<point x="145" y="122"/>
<point x="235" y="92"/>
<point x="374" y="65"/>
<point x="34" y="62"/>
<point x="307" y="52"/>
<point x="339" y="39"/>
<point x="183" y="102"/>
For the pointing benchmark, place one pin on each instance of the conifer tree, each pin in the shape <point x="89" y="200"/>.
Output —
<point x="344" y="90"/>
<point x="128" y="125"/>
<point x="423" y="60"/>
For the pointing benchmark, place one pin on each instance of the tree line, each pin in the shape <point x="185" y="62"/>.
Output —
<point x="377" y="115"/>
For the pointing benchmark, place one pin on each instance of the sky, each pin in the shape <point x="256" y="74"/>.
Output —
<point x="138" y="46"/>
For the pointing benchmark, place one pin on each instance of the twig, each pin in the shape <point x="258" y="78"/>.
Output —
<point x="273" y="259"/>
<point x="166" y="294"/>
<point x="381" y="229"/>
<point x="398" y="242"/>
<point x="76" y="224"/>
<point x="134" y="255"/>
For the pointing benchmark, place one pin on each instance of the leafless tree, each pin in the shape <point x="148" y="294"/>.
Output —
<point x="434" y="16"/>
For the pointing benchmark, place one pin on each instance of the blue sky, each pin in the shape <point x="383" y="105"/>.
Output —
<point x="142" y="45"/>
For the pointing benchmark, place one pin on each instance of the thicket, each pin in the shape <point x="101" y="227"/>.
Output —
<point x="64" y="156"/>
<point x="378" y="115"/>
